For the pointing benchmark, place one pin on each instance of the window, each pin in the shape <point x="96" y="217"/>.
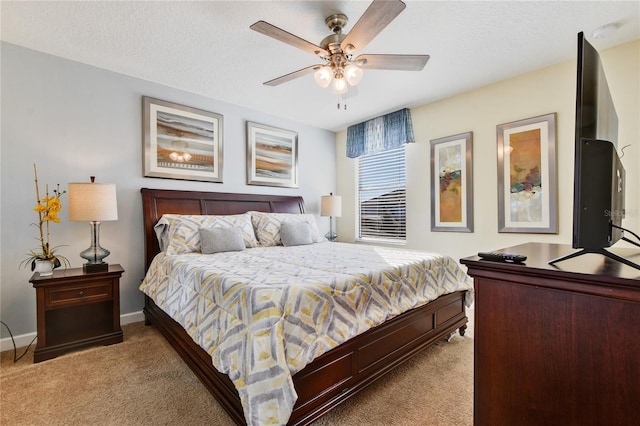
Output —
<point x="382" y="195"/>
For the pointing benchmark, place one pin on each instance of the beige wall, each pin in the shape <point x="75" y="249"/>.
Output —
<point x="541" y="92"/>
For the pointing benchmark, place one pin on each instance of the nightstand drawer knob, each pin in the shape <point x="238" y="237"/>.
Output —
<point x="81" y="293"/>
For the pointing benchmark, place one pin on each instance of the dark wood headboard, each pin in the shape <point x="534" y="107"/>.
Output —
<point x="156" y="202"/>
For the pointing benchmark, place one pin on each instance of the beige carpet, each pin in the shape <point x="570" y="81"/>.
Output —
<point x="142" y="381"/>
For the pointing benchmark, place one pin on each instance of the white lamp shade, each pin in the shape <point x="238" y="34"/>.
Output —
<point x="340" y="86"/>
<point x="323" y="76"/>
<point x="92" y="202"/>
<point x="331" y="205"/>
<point x="353" y="74"/>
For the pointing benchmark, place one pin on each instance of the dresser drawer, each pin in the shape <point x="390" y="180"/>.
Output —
<point x="78" y="293"/>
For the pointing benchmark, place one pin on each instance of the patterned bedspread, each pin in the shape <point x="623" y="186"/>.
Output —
<point x="264" y="313"/>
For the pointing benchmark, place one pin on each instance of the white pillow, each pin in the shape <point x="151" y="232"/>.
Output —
<point x="267" y="226"/>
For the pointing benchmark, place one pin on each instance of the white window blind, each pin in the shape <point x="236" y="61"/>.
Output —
<point x="382" y="195"/>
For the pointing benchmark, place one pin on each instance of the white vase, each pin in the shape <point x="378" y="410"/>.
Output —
<point x="44" y="267"/>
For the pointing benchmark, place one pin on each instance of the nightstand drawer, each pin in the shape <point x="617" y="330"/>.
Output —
<point x="80" y="293"/>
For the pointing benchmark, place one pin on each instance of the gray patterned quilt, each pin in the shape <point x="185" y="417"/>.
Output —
<point x="264" y="313"/>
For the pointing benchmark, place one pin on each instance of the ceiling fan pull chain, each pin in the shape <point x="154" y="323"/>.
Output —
<point x="342" y="98"/>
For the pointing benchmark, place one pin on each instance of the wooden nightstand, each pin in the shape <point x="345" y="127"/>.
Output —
<point x="77" y="309"/>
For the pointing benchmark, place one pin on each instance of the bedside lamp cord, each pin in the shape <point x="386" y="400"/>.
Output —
<point x="15" y="351"/>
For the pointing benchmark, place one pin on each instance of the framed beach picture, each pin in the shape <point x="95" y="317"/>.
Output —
<point x="452" y="183"/>
<point x="181" y="142"/>
<point x="272" y="156"/>
<point x="527" y="186"/>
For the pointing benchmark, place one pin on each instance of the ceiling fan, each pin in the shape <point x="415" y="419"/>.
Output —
<point x="337" y="50"/>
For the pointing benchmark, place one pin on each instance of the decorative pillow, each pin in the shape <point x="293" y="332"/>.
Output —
<point x="295" y="234"/>
<point x="219" y="239"/>
<point x="267" y="226"/>
<point x="180" y="234"/>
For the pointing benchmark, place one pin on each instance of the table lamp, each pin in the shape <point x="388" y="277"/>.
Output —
<point x="93" y="203"/>
<point x="331" y="205"/>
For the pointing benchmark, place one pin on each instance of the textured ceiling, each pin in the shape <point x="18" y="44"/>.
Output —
<point x="207" y="47"/>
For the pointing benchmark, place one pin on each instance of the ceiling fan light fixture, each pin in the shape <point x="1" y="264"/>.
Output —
<point x="353" y="74"/>
<point x="339" y="69"/>
<point x="340" y="86"/>
<point x="323" y="76"/>
<point x="605" y="31"/>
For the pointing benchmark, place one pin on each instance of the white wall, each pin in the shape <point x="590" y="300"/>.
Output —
<point x="545" y="91"/>
<point x="75" y="121"/>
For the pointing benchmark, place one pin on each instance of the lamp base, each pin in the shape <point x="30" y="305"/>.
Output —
<point x="331" y="236"/>
<point x="90" y="268"/>
<point x="94" y="254"/>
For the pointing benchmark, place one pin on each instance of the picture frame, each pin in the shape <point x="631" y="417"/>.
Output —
<point x="527" y="176"/>
<point x="181" y="142"/>
<point x="272" y="156"/>
<point x="452" y="183"/>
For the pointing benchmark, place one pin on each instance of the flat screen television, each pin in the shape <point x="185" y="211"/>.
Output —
<point x="599" y="177"/>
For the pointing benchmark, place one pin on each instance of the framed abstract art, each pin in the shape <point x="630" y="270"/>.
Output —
<point x="452" y="183"/>
<point x="527" y="186"/>
<point x="272" y="156"/>
<point x="181" y="142"/>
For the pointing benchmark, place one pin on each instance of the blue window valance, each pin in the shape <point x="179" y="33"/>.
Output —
<point x="386" y="132"/>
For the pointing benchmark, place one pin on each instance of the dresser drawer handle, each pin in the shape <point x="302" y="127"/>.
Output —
<point x="81" y="293"/>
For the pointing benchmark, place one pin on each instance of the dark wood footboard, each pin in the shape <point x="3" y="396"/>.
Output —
<point x="340" y="373"/>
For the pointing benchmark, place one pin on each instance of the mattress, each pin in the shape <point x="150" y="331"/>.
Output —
<point x="264" y="313"/>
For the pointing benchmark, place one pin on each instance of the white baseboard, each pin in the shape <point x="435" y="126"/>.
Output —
<point x="21" y="341"/>
<point x="131" y="318"/>
<point x="24" y="339"/>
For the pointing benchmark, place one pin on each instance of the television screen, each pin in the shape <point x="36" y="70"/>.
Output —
<point x="598" y="173"/>
<point x="596" y="116"/>
<point x="598" y="193"/>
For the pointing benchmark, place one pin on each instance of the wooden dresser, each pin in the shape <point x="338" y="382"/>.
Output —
<point x="556" y="345"/>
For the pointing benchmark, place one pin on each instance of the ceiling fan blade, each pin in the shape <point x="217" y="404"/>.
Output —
<point x="393" y="62"/>
<point x="286" y="37"/>
<point x="373" y="20"/>
<point x="291" y="76"/>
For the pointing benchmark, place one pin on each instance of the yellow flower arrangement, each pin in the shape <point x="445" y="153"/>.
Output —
<point x="47" y="208"/>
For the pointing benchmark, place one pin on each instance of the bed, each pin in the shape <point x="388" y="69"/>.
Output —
<point x="330" y="378"/>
